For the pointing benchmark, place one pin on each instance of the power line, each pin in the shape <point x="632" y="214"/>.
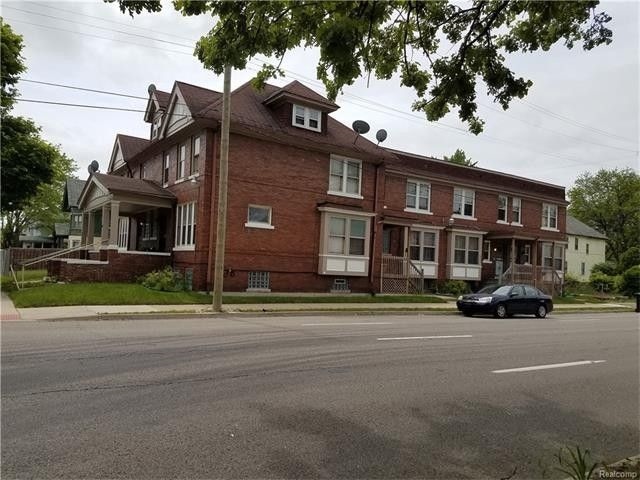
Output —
<point x="83" y="89"/>
<point x="100" y="107"/>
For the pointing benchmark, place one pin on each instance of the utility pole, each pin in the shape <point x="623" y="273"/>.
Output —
<point x="221" y="230"/>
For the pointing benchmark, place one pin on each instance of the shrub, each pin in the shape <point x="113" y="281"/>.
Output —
<point x="629" y="259"/>
<point x="630" y="281"/>
<point x="602" y="282"/>
<point x="165" y="280"/>
<point x="608" y="268"/>
<point x="455" y="287"/>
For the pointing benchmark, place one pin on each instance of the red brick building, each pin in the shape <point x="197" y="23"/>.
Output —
<point x="312" y="206"/>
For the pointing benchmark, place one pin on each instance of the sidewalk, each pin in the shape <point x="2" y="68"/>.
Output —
<point x="97" y="311"/>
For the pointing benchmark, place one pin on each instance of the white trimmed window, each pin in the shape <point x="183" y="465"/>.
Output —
<point x="486" y="251"/>
<point x="182" y="158"/>
<point x="345" y="176"/>
<point x="502" y="208"/>
<point x="552" y="257"/>
<point x="186" y="225"/>
<point x="165" y="169"/>
<point x="516" y="211"/>
<point x="549" y="216"/>
<point x="422" y="246"/>
<point x="347" y="236"/>
<point x="305" y="117"/>
<point x="466" y="250"/>
<point x="155" y="126"/>
<point x="259" y="216"/>
<point x="464" y="202"/>
<point x="418" y="197"/>
<point x="195" y="155"/>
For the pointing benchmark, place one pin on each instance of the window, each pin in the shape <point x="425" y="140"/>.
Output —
<point x="422" y="246"/>
<point x="418" y="196"/>
<point x="259" y="217"/>
<point x="150" y="226"/>
<point x="582" y="268"/>
<point x="346" y="236"/>
<point x="76" y="221"/>
<point x="575" y="244"/>
<point x="486" y="251"/>
<point x="466" y="250"/>
<point x="182" y="157"/>
<point x="502" y="208"/>
<point x="516" y="209"/>
<point x="195" y="155"/>
<point x="186" y="225"/>
<point x="550" y="260"/>
<point x="155" y="126"/>
<point x="165" y="169"/>
<point x="306" y="117"/>
<point x="463" y="202"/>
<point x="586" y="248"/>
<point x="526" y="254"/>
<point x="344" y="176"/>
<point x="549" y="216"/>
<point x="258" y="281"/>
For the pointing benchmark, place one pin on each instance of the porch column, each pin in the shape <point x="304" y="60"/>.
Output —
<point x="84" y="236"/>
<point x="90" y="227"/>
<point x="104" y="232"/>
<point x="513" y="253"/>
<point x="114" y="217"/>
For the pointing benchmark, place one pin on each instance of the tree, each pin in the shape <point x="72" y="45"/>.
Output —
<point x="609" y="201"/>
<point x="460" y="158"/>
<point x="384" y="38"/>
<point x="12" y="65"/>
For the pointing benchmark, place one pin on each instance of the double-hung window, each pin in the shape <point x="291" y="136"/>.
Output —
<point x="346" y="236"/>
<point x="502" y="208"/>
<point x="165" y="169"/>
<point x="549" y="216"/>
<point x="182" y="158"/>
<point x="345" y="176"/>
<point x="195" y="155"/>
<point x="306" y="117"/>
<point x="422" y="246"/>
<point x="186" y="225"/>
<point x="464" y="202"/>
<point x="552" y="257"/>
<point x="516" y="211"/>
<point x="466" y="250"/>
<point x="418" y="196"/>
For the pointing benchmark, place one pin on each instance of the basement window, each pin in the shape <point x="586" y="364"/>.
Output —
<point x="258" y="282"/>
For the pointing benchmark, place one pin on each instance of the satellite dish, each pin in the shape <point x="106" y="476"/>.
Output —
<point x="381" y="135"/>
<point x="94" y="166"/>
<point x="151" y="88"/>
<point x="360" y="127"/>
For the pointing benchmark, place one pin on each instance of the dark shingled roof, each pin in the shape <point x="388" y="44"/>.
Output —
<point x="131" y="146"/>
<point x="163" y="98"/>
<point x="196" y="97"/>
<point x="139" y="186"/>
<point x="297" y="90"/>
<point x="576" y="227"/>
<point x="73" y="189"/>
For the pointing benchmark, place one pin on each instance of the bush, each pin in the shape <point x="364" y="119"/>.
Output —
<point x="608" y="268"/>
<point x="455" y="287"/>
<point x="630" y="281"/>
<point x="629" y="259"/>
<point x="602" y="282"/>
<point x="165" y="280"/>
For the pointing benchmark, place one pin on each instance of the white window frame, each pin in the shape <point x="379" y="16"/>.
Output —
<point x="344" y="177"/>
<point x="463" y="194"/>
<point x="503" y="207"/>
<point x="516" y="211"/>
<point x="155" y="126"/>
<point x="307" y="116"/>
<point x="421" y="245"/>
<point x="421" y="187"/>
<point x="166" y="169"/>
<point x="467" y="249"/>
<point x="527" y="254"/>
<point x="547" y="210"/>
<point x="348" y="236"/>
<point x="486" y="251"/>
<point x="549" y="256"/>
<point x="253" y="224"/>
<point x="182" y="159"/>
<point x="185" y="238"/>
<point x="195" y="156"/>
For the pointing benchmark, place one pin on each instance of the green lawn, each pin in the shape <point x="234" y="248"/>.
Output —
<point x="53" y="295"/>
<point x="7" y="282"/>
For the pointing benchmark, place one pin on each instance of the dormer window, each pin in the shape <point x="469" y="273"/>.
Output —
<point x="155" y="126"/>
<point x="305" y="117"/>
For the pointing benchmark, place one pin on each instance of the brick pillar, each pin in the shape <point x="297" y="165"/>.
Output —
<point x="113" y="231"/>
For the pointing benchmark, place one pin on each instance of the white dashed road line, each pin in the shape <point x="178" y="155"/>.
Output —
<point x="426" y="338"/>
<point x="546" y="367"/>
<point x="342" y="324"/>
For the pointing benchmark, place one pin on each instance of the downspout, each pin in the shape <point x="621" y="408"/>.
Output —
<point x="374" y="236"/>
<point x="213" y="196"/>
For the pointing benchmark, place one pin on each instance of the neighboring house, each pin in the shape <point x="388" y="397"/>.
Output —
<point x="36" y="237"/>
<point x="585" y="248"/>
<point x="312" y="206"/>
<point x="73" y="189"/>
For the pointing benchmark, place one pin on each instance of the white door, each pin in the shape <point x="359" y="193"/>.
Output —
<point x="123" y="233"/>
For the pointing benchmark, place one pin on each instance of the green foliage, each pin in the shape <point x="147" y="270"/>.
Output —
<point x="397" y="37"/>
<point x="165" y="280"/>
<point x="630" y="281"/>
<point x="460" y="158"/>
<point x="12" y="65"/>
<point x="577" y="465"/>
<point x="609" y="201"/>
<point x="629" y="258"/>
<point x="454" y="287"/>
<point x="608" y="268"/>
<point x="602" y="282"/>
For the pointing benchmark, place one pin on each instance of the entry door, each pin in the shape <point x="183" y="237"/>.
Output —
<point x="123" y="232"/>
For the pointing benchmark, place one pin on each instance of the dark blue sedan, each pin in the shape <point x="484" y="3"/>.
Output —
<point x="505" y="301"/>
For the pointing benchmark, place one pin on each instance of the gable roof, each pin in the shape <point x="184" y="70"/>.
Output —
<point x="250" y="114"/>
<point x="163" y="98"/>
<point x="576" y="227"/>
<point x="196" y="97"/>
<point x="72" y="190"/>
<point x="296" y="91"/>
<point x="131" y="146"/>
<point x="139" y="186"/>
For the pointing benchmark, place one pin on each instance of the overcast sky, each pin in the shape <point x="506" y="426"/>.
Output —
<point x="581" y="113"/>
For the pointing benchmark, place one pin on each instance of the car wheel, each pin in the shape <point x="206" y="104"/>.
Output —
<point x="501" y="311"/>
<point x="541" y="312"/>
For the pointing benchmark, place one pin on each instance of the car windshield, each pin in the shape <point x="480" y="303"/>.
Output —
<point x="504" y="290"/>
<point x="487" y="289"/>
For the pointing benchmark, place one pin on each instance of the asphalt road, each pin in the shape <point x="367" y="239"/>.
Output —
<point x="317" y="396"/>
